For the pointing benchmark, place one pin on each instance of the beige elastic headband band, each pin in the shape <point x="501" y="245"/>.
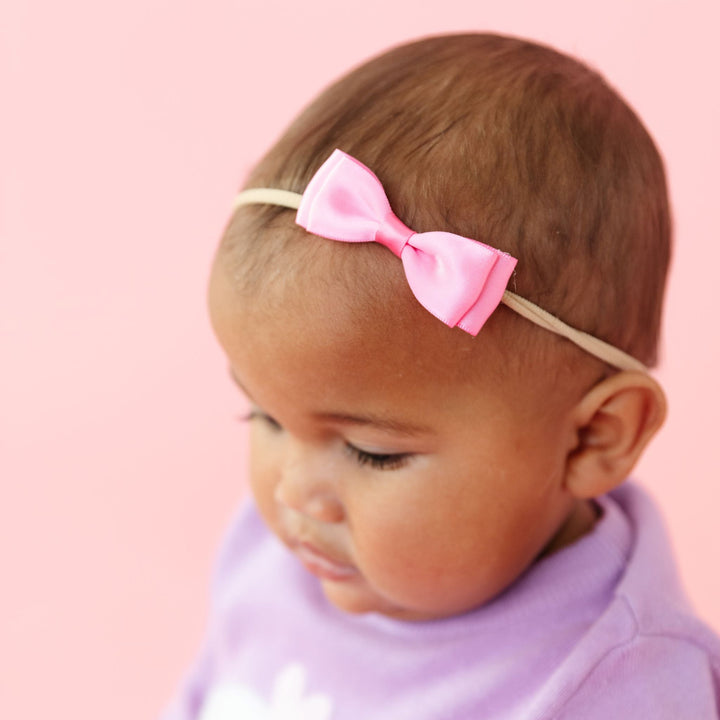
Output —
<point x="535" y="314"/>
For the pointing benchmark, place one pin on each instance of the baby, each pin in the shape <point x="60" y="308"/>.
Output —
<point x="445" y="352"/>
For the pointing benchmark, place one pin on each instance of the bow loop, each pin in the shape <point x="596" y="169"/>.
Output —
<point x="459" y="280"/>
<point x="342" y="202"/>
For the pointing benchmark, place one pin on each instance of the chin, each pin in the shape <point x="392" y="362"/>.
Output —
<point x="358" y="601"/>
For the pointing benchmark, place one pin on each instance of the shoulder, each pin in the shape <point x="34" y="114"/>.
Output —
<point x="647" y="655"/>
<point x="245" y="549"/>
<point x="667" y="675"/>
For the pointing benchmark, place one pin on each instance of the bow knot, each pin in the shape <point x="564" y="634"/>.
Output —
<point x="393" y="233"/>
<point x="459" y="280"/>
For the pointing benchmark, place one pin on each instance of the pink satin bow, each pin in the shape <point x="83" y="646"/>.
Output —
<point x="459" y="280"/>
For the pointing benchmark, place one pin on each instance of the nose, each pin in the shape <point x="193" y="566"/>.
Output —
<point x="306" y="485"/>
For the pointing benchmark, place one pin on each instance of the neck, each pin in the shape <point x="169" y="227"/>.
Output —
<point x="580" y="521"/>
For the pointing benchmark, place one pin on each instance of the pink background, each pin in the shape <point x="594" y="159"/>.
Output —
<point x="126" y="128"/>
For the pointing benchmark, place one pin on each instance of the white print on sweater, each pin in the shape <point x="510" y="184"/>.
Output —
<point x="233" y="701"/>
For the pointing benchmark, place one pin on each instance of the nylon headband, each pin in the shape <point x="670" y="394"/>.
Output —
<point x="535" y="314"/>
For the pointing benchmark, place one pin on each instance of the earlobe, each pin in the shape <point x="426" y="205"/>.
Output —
<point x="613" y="423"/>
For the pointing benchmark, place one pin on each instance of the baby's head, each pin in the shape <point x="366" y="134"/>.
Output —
<point x="416" y="469"/>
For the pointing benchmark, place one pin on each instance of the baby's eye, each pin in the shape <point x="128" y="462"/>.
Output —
<point x="379" y="461"/>
<point x="263" y="417"/>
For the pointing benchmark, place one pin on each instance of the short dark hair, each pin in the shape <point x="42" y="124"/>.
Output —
<point x="517" y="145"/>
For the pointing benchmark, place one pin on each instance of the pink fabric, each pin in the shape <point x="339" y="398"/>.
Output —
<point x="459" y="280"/>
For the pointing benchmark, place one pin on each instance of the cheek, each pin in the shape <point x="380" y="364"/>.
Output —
<point x="452" y="541"/>
<point x="263" y="475"/>
<point x="414" y="546"/>
<point x="429" y="572"/>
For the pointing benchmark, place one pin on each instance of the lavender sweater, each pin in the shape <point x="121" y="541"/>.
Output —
<point x="599" y="630"/>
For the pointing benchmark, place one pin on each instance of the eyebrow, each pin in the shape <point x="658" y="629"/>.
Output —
<point x="395" y="426"/>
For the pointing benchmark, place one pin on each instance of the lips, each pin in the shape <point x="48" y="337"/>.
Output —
<point x="321" y="565"/>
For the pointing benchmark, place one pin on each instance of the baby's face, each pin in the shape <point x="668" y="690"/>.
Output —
<point x="407" y="481"/>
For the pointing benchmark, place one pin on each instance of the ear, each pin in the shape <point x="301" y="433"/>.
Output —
<point x="613" y="423"/>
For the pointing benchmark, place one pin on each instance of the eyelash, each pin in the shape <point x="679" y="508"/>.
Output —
<point x="377" y="461"/>
<point x="257" y="415"/>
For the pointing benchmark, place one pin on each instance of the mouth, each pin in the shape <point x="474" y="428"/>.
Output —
<point x="321" y="565"/>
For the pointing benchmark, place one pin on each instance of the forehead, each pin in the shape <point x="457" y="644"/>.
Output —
<point x="340" y="319"/>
